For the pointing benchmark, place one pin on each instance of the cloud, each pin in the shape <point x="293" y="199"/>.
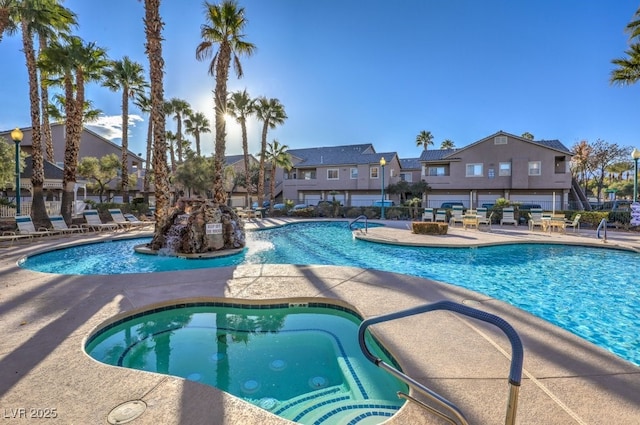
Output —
<point x="110" y="126"/>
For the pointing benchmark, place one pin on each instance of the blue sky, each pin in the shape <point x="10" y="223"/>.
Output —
<point x="372" y="71"/>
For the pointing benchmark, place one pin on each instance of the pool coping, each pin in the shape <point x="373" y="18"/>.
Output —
<point x="46" y="317"/>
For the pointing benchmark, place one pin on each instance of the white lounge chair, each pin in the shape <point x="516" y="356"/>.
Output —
<point x="508" y="217"/>
<point x="457" y="215"/>
<point x="58" y="223"/>
<point x="137" y="222"/>
<point x="427" y="215"/>
<point x="535" y="219"/>
<point x="26" y="227"/>
<point x="94" y="223"/>
<point x="441" y="215"/>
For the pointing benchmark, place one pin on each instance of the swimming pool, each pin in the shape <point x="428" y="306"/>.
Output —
<point x="301" y="362"/>
<point x="591" y="292"/>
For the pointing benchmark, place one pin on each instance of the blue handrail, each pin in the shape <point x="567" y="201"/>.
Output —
<point x="517" y="353"/>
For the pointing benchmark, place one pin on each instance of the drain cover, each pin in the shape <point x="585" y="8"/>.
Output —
<point x="126" y="412"/>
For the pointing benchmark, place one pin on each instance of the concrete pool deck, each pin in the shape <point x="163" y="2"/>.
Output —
<point x="45" y="318"/>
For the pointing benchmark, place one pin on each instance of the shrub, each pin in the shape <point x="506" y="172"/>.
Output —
<point x="429" y="228"/>
<point x="353" y="212"/>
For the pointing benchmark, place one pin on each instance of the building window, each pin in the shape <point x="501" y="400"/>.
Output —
<point x="505" y="169"/>
<point x="500" y="140"/>
<point x="308" y="175"/>
<point x="374" y="173"/>
<point x="406" y="177"/>
<point x="354" y="173"/>
<point x="491" y="173"/>
<point x="437" y="171"/>
<point x="535" y="168"/>
<point x="474" y="170"/>
<point x="332" y="174"/>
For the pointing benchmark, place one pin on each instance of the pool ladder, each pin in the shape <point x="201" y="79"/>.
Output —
<point x="602" y="225"/>
<point x="453" y="415"/>
<point x="366" y="226"/>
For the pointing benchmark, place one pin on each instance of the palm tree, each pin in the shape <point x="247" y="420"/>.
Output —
<point x="527" y="135"/>
<point x="179" y="108"/>
<point x="76" y="63"/>
<point x="447" y="144"/>
<point x="276" y="156"/>
<point x="196" y="124"/>
<point x="582" y="153"/>
<point x="143" y="102"/>
<point x="127" y="76"/>
<point x="223" y="28"/>
<point x="153" y="32"/>
<point x="271" y="113"/>
<point x="424" y="139"/>
<point x="172" y="139"/>
<point x="59" y="23"/>
<point x="628" y="69"/>
<point x="33" y="17"/>
<point x="7" y="24"/>
<point x="240" y="106"/>
<point x="633" y="27"/>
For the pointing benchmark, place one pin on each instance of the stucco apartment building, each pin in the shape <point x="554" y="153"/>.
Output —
<point x="91" y="144"/>
<point x="501" y="165"/>
<point x="351" y="174"/>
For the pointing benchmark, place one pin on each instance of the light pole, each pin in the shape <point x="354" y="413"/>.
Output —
<point x="16" y="135"/>
<point x="635" y="155"/>
<point x="382" y="164"/>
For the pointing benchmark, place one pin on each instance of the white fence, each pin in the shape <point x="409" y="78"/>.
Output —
<point x="53" y="208"/>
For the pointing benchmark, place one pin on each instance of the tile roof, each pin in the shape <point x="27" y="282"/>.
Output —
<point x="409" y="163"/>
<point x="338" y="155"/>
<point x="51" y="171"/>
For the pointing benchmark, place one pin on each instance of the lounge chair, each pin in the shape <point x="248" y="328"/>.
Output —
<point x="58" y="223"/>
<point x="26" y="227"/>
<point x="94" y="223"/>
<point x="456" y="215"/>
<point x="508" y="217"/>
<point x="427" y="215"/>
<point x="441" y="215"/>
<point x="535" y="219"/>
<point x="120" y="219"/>
<point x="137" y="222"/>
<point x="575" y="223"/>
<point x="12" y="237"/>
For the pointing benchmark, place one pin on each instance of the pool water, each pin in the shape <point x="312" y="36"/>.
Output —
<point x="303" y="363"/>
<point x="592" y="292"/>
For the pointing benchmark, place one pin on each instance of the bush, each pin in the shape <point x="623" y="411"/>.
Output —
<point x="429" y="228"/>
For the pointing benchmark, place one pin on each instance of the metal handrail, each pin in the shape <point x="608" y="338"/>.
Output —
<point x="366" y="225"/>
<point x="603" y="224"/>
<point x="515" y="373"/>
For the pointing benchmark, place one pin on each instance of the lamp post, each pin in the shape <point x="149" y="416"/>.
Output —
<point x="382" y="164"/>
<point x="635" y="155"/>
<point x="16" y="135"/>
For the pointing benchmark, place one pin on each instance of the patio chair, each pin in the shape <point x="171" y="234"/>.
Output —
<point x="575" y="223"/>
<point x="535" y="219"/>
<point x="94" y="223"/>
<point x="12" y="237"/>
<point x="427" y="215"/>
<point x="441" y="215"/>
<point x="58" y="223"/>
<point x="26" y="227"/>
<point x="119" y="219"/>
<point x="456" y="215"/>
<point x="483" y="219"/>
<point x="135" y="221"/>
<point x="508" y="217"/>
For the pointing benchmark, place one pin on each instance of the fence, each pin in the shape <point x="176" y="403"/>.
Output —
<point x="53" y="208"/>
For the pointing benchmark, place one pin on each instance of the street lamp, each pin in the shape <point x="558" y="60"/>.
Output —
<point x="16" y="135"/>
<point x="382" y="164"/>
<point x="635" y="155"/>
